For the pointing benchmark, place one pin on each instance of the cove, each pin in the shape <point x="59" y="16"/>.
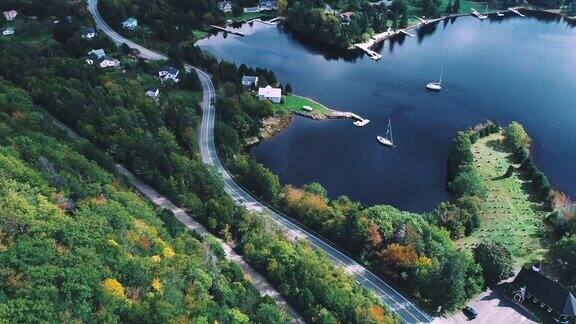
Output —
<point x="507" y="69"/>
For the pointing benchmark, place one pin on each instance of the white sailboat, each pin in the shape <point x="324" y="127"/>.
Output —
<point x="384" y="140"/>
<point x="436" y="86"/>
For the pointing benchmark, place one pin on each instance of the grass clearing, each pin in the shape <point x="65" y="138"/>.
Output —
<point x="510" y="213"/>
<point x="296" y="103"/>
<point x="198" y="34"/>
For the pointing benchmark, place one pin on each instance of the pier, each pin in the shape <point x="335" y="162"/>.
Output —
<point x="422" y="20"/>
<point x="365" y="47"/>
<point x="514" y="10"/>
<point x="228" y="30"/>
<point x="403" y="31"/>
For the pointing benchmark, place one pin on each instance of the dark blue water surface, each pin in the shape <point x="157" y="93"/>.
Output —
<point x="521" y="69"/>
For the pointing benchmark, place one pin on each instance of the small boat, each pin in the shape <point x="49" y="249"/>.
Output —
<point x="436" y="86"/>
<point x="384" y="140"/>
<point x="307" y="108"/>
<point x="499" y="14"/>
<point x="361" y="123"/>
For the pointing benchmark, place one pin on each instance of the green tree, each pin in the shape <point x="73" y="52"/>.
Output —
<point x="516" y="136"/>
<point x="496" y="261"/>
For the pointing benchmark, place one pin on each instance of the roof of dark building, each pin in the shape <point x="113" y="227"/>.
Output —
<point x="547" y="290"/>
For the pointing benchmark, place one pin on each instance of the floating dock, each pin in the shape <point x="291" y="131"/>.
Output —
<point x="228" y="30"/>
<point x="514" y="10"/>
<point x="478" y="15"/>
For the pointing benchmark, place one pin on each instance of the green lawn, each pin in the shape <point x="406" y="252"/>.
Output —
<point x="251" y="15"/>
<point x="510" y="214"/>
<point x="198" y="34"/>
<point x="296" y="103"/>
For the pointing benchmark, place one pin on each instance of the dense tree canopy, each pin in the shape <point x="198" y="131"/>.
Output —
<point x="496" y="261"/>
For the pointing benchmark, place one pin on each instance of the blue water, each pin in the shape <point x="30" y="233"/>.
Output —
<point x="521" y="69"/>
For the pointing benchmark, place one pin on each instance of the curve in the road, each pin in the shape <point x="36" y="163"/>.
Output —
<point x="392" y="298"/>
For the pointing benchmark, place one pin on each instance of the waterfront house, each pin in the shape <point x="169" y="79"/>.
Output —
<point x="249" y="81"/>
<point x="169" y="73"/>
<point x="8" y="31"/>
<point x="97" y="53"/>
<point x="532" y="286"/>
<point x="272" y="94"/>
<point x="87" y="33"/>
<point x="225" y="6"/>
<point x="130" y="23"/>
<point x="264" y="5"/>
<point x="153" y="92"/>
<point x="10" y="15"/>
<point x="251" y="9"/>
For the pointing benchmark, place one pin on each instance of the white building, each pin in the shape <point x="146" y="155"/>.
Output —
<point x="225" y="6"/>
<point x="169" y="73"/>
<point x="130" y="23"/>
<point x="10" y="15"/>
<point x="87" y="33"/>
<point x="153" y="92"/>
<point x="8" y="31"/>
<point x="249" y="81"/>
<point x="272" y="94"/>
<point x="97" y="53"/>
<point x="108" y="62"/>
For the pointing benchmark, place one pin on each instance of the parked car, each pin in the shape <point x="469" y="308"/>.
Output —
<point x="470" y="312"/>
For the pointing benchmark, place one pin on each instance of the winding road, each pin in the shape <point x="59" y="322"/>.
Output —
<point x="391" y="297"/>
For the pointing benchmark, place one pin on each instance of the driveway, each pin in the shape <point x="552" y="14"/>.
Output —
<point x="492" y="308"/>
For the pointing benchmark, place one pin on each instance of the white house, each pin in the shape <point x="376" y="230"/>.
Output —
<point x="225" y="6"/>
<point x="153" y="92"/>
<point x="107" y="61"/>
<point x="169" y="73"/>
<point x="130" y="23"/>
<point x="10" y="15"/>
<point x="87" y="33"/>
<point x="272" y="94"/>
<point x="97" y="53"/>
<point x="8" y="31"/>
<point x="267" y="5"/>
<point x="249" y="81"/>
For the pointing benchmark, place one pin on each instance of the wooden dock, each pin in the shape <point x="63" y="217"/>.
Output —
<point x="373" y="55"/>
<point x="228" y="30"/>
<point x="514" y="10"/>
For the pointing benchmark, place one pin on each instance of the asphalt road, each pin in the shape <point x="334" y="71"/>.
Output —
<point x="392" y="298"/>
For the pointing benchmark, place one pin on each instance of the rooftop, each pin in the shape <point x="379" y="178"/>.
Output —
<point x="270" y="92"/>
<point x="547" y="290"/>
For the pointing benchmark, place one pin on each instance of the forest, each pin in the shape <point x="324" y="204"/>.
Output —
<point x="157" y="142"/>
<point x="77" y="245"/>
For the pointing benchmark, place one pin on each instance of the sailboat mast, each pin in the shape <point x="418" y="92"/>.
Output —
<point x="441" y="73"/>
<point x="390" y="128"/>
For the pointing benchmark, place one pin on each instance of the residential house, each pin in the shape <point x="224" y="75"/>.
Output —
<point x="169" y="73"/>
<point x="346" y="17"/>
<point x="107" y="61"/>
<point x="97" y="53"/>
<point x="8" y="31"/>
<point x="153" y="92"/>
<point x="249" y="81"/>
<point x="267" y="5"/>
<point x="130" y="23"/>
<point x="328" y="10"/>
<point x="10" y="15"/>
<point x="530" y="285"/>
<point x="87" y="32"/>
<point x="134" y="53"/>
<point x="225" y="6"/>
<point x="272" y="94"/>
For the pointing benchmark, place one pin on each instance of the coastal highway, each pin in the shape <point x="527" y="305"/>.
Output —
<point x="392" y="298"/>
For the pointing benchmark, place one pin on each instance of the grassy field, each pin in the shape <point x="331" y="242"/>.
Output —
<point x="296" y="103"/>
<point x="199" y="34"/>
<point x="510" y="214"/>
<point x="251" y="15"/>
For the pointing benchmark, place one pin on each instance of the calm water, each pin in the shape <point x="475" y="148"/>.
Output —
<point x="510" y="69"/>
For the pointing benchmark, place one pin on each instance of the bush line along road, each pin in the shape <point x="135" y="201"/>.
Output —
<point x="393" y="299"/>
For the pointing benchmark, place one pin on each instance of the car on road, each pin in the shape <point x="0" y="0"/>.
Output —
<point x="470" y="312"/>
